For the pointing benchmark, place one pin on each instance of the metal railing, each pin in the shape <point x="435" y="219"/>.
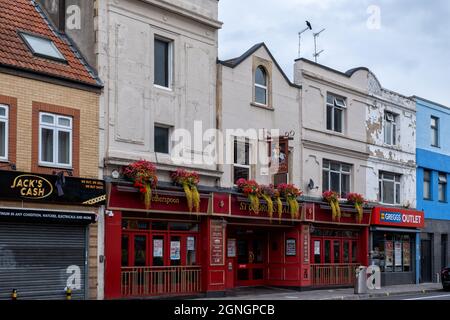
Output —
<point x="152" y="281"/>
<point x="333" y="274"/>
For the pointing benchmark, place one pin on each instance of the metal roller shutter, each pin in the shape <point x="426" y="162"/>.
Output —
<point x="38" y="260"/>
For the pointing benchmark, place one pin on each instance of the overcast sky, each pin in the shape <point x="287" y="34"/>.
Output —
<point x="409" y="53"/>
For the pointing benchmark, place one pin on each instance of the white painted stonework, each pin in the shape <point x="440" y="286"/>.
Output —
<point x="131" y="104"/>
<point x="238" y="112"/>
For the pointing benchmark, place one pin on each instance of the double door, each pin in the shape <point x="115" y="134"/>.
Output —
<point x="251" y="261"/>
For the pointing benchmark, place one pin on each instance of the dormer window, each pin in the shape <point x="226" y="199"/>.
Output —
<point x="261" y="86"/>
<point x="42" y="47"/>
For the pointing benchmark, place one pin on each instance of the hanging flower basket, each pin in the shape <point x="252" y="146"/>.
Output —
<point x="189" y="181"/>
<point x="333" y="199"/>
<point x="251" y="189"/>
<point x="143" y="175"/>
<point x="267" y="193"/>
<point x="290" y="192"/>
<point x="358" y="201"/>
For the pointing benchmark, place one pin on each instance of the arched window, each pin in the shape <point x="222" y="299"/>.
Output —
<point x="261" y="86"/>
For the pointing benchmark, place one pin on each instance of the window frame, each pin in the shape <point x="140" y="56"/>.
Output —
<point x="435" y="131"/>
<point x="169" y="132"/>
<point x="335" y="106"/>
<point x="246" y="141"/>
<point x="394" y="125"/>
<point x="170" y="62"/>
<point x="381" y="179"/>
<point x="341" y="172"/>
<point x="442" y="182"/>
<point x="56" y="128"/>
<point x="5" y="120"/>
<point x="265" y="88"/>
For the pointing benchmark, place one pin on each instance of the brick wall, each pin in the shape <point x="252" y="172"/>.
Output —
<point x="27" y="97"/>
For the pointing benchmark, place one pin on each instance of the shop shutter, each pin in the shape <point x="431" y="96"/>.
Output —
<point x="38" y="259"/>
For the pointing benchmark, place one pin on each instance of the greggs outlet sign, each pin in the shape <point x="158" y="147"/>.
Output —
<point x="49" y="188"/>
<point x="398" y="217"/>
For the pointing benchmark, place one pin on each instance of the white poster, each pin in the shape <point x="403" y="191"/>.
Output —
<point x="398" y="253"/>
<point x="316" y="247"/>
<point x="158" y="248"/>
<point x="190" y="243"/>
<point x="175" y="250"/>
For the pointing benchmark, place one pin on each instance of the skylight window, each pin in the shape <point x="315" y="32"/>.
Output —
<point x="42" y="47"/>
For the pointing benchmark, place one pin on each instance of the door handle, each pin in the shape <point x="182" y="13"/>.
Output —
<point x="251" y="257"/>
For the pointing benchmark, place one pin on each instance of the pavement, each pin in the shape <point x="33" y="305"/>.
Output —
<point x="390" y="292"/>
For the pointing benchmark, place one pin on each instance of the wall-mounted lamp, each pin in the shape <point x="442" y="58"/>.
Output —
<point x="311" y="185"/>
<point x="115" y="174"/>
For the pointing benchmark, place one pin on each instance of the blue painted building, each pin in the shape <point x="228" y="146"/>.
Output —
<point x="433" y="193"/>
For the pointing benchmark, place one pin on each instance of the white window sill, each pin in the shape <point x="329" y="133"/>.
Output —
<point x="262" y="106"/>
<point x="56" y="166"/>
<point x="167" y="89"/>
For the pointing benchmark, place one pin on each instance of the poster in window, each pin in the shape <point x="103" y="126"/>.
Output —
<point x="398" y="253"/>
<point x="279" y="156"/>
<point x="406" y="254"/>
<point x="291" y="247"/>
<point x="157" y="248"/>
<point x="175" y="250"/>
<point x="231" y="248"/>
<point x="190" y="243"/>
<point x="389" y="250"/>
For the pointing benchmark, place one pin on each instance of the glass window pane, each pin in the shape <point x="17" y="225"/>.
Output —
<point x="442" y="191"/>
<point x="345" y="185"/>
<point x="175" y="251"/>
<point x="354" y="251"/>
<point x="2" y="112"/>
<point x="158" y="251"/>
<point x="47" y="145"/>
<point x="161" y="63"/>
<point x="397" y="193"/>
<point x="159" y="225"/>
<point x="260" y="95"/>
<point x="346" y="168"/>
<point x="326" y="164"/>
<point x="325" y="181"/>
<point x="64" y="122"/>
<point x="260" y="77"/>
<point x="340" y="102"/>
<point x="2" y="139"/>
<point x="161" y="140"/>
<point x="327" y="249"/>
<point x="317" y="252"/>
<point x="388" y="192"/>
<point x="329" y="118"/>
<point x="241" y="152"/>
<point x="335" y="166"/>
<point x="346" y="252"/>
<point x="63" y="147"/>
<point x="239" y="172"/>
<point x="388" y="132"/>
<point x="330" y="99"/>
<point x="45" y="118"/>
<point x="426" y="190"/>
<point x="191" y="248"/>
<point x="124" y="250"/>
<point x="337" y="251"/>
<point x="335" y="182"/>
<point x="43" y="46"/>
<point x="337" y="120"/>
<point x="397" y="178"/>
<point x="140" y="251"/>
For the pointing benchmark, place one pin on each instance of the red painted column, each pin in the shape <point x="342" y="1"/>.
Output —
<point x="364" y="245"/>
<point x="113" y="253"/>
<point x="215" y="271"/>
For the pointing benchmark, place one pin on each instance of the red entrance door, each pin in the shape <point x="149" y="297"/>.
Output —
<point x="251" y="261"/>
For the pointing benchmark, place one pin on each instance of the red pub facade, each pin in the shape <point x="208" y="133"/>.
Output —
<point x="168" y="251"/>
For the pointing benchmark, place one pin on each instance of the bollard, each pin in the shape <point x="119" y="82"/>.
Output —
<point x="68" y="293"/>
<point x="14" y="294"/>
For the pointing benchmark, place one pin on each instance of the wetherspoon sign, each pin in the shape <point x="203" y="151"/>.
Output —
<point x="398" y="217"/>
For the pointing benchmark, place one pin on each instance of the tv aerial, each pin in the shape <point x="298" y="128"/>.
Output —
<point x="308" y="27"/>
<point x="317" y="54"/>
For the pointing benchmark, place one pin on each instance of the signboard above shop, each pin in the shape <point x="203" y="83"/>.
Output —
<point x="21" y="186"/>
<point x="397" y="217"/>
